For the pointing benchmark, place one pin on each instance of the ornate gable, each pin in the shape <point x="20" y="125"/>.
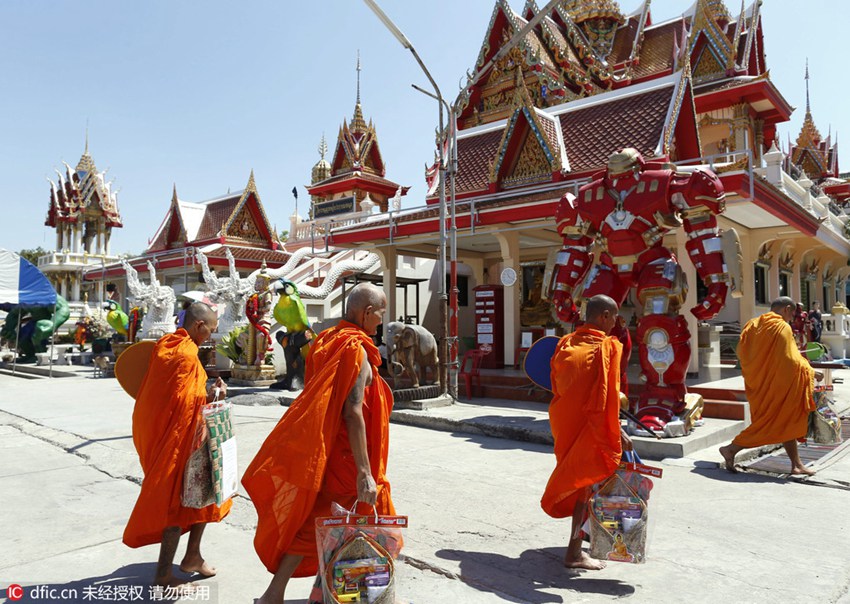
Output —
<point x="530" y="150"/>
<point x="491" y="99"/>
<point x="357" y="147"/>
<point x="172" y="233"/>
<point x="576" y="75"/>
<point x="714" y="43"/>
<point x="248" y="223"/>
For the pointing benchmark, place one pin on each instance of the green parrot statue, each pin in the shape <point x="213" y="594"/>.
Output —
<point x="289" y="310"/>
<point x="295" y="340"/>
<point x="116" y="318"/>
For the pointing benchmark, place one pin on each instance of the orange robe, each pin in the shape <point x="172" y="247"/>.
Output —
<point x="306" y="463"/>
<point x="584" y="415"/>
<point x="778" y="381"/>
<point x="168" y="407"/>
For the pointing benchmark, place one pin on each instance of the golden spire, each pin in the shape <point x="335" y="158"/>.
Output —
<point x="86" y="163"/>
<point x="358" y="124"/>
<point x="322" y="169"/>
<point x="323" y="147"/>
<point x="808" y="105"/>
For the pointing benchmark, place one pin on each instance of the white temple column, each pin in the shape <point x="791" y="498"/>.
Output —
<point x="795" y="290"/>
<point x="389" y="266"/>
<point x="509" y="244"/>
<point x="773" y="280"/>
<point x="75" y="291"/>
<point x="59" y="237"/>
<point x="108" y="236"/>
<point x="63" y="287"/>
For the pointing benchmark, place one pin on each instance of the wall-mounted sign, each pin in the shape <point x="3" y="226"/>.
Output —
<point x="343" y="205"/>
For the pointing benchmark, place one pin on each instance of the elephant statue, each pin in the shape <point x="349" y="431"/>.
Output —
<point x="414" y="347"/>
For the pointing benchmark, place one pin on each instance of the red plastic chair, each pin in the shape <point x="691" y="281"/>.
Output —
<point x="470" y="369"/>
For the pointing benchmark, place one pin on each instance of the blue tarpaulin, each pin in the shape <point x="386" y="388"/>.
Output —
<point x="21" y="283"/>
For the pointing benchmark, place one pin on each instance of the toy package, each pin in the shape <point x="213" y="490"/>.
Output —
<point x="618" y="512"/>
<point x="357" y="557"/>
<point x="824" y="424"/>
<point x="211" y="474"/>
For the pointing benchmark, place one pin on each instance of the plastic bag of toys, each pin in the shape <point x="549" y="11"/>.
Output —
<point x="618" y="512"/>
<point x="357" y="556"/>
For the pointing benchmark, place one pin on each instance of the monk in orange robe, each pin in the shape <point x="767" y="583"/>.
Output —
<point x="779" y="383"/>
<point x="330" y="446"/>
<point x="165" y="418"/>
<point x="585" y="418"/>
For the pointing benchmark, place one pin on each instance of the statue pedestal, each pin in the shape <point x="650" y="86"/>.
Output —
<point x="423" y="397"/>
<point x="242" y="375"/>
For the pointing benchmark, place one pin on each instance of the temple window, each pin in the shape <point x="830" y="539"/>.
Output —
<point x="760" y="285"/>
<point x="784" y="284"/>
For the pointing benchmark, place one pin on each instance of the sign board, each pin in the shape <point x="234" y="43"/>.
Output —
<point x="343" y="205"/>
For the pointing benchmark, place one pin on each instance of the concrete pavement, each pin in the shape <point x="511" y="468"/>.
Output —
<point x="69" y="477"/>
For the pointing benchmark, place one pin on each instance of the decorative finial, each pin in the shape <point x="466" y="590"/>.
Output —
<point x="808" y="105"/>
<point x="323" y="147"/>
<point x="174" y="193"/>
<point x="358" y="76"/>
<point x="86" y="152"/>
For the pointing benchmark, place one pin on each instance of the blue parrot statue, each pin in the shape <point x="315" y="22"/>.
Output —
<point x="116" y="317"/>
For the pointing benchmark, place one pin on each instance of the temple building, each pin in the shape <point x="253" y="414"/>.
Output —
<point x="235" y="221"/>
<point x="817" y="158"/>
<point x="351" y="188"/>
<point x="83" y="209"/>
<point x="353" y="183"/>
<point x="587" y="81"/>
<point x="812" y="154"/>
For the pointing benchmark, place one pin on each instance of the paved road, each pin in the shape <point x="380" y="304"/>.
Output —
<point x="69" y="477"/>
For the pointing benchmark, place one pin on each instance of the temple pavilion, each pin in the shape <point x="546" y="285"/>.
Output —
<point x="83" y="209"/>
<point x="235" y="221"/>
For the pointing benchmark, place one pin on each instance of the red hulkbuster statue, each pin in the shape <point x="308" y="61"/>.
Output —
<point x="626" y="211"/>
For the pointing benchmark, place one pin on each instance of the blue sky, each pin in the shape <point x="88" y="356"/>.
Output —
<point x="199" y="93"/>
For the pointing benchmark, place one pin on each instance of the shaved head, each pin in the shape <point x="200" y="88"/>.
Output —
<point x="200" y="321"/>
<point x="601" y="312"/>
<point x="597" y="305"/>
<point x="781" y="302"/>
<point x="365" y="307"/>
<point x="198" y="311"/>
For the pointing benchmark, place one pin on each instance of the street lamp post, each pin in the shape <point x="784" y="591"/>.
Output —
<point x="448" y="318"/>
<point x="442" y="175"/>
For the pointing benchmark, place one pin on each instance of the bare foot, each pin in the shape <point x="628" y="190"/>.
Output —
<point x="584" y="561"/>
<point x="729" y="458"/>
<point x="197" y="565"/>
<point x="802" y="471"/>
<point x="180" y="586"/>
